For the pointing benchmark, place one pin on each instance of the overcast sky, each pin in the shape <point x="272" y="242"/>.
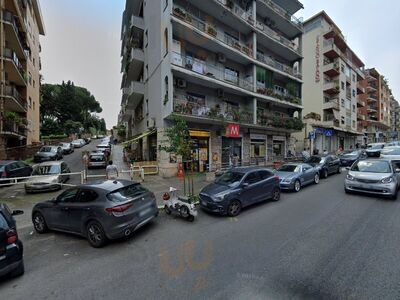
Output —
<point x="82" y="42"/>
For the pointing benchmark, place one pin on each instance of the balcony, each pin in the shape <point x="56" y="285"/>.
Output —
<point x="278" y="94"/>
<point x="14" y="68"/>
<point x="372" y="108"/>
<point x="360" y="116"/>
<point x="270" y="61"/>
<point x="134" y="63"/>
<point x="331" y="86"/>
<point x="272" y="120"/>
<point x="136" y="23"/>
<point x="209" y="74"/>
<point x="330" y="50"/>
<point x="331" y="68"/>
<point x="371" y="88"/>
<point x="14" y="101"/>
<point x="330" y="121"/>
<point x="187" y="24"/>
<point x="371" y="98"/>
<point x="360" y="89"/>
<point x="133" y="94"/>
<point x="126" y="115"/>
<point x="217" y="113"/>
<point x="331" y="103"/>
<point x="12" y="129"/>
<point x="287" y="22"/>
<point x="14" y="36"/>
<point x="360" y="103"/>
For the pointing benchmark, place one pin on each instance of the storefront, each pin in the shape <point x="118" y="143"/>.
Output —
<point x="232" y="144"/>
<point x="258" y="146"/>
<point x="278" y="147"/>
<point x="200" y="150"/>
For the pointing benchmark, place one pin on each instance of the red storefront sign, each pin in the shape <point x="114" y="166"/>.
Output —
<point x="233" y="130"/>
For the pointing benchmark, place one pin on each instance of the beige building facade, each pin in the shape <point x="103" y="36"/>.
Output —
<point x="332" y="74"/>
<point x="20" y="29"/>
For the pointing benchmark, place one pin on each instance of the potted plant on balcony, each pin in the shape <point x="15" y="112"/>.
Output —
<point x="11" y="116"/>
<point x="211" y="30"/>
<point x="229" y="4"/>
<point x="237" y="115"/>
<point x="179" y="13"/>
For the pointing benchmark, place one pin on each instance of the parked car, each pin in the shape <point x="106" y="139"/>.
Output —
<point x="103" y="147"/>
<point x="294" y="176"/>
<point x="11" y="247"/>
<point x="67" y="148"/>
<point x="392" y="143"/>
<point x="392" y="152"/>
<point x="374" y="149"/>
<point x="78" y="143"/>
<point x="12" y="169"/>
<point x="52" y="177"/>
<point x="325" y="164"/>
<point x="349" y="157"/>
<point x="373" y="176"/>
<point x="87" y="140"/>
<point x="99" y="211"/>
<point x="47" y="153"/>
<point x="238" y="188"/>
<point x="100" y="136"/>
<point x="97" y="160"/>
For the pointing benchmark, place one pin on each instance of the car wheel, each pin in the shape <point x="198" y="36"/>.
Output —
<point x="276" y="194"/>
<point x="297" y="186"/>
<point x="39" y="223"/>
<point x="184" y="211"/>
<point x="394" y="196"/>
<point x="95" y="234"/>
<point x="167" y="210"/>
<point x="339" y="170"/>
<point x="347" y="191"/>
<point x="234" y="208"/>
<point x="190" y="218"/>
<point x="316" y="178"/>
<point x="324" y="173"/>
<point x="20" y="270"/>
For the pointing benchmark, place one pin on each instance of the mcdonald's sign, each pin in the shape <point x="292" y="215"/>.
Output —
<point x="233" y="130"/>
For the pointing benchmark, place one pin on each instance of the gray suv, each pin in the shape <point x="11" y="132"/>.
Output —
<point x="98" y="211"/>
<point x="239" y="187"/>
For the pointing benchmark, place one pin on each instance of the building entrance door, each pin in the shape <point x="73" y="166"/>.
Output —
<point x="231" y="151"/>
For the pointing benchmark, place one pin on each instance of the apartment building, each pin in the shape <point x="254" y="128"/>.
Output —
<point x="394" y="118"/>
<point x="332" y="89"/>
<point x="232" y="69"/>
<point x="20" y="28"/>
<point x="377" y="127"/>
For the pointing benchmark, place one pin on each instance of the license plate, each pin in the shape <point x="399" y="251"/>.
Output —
<point x="145" y="212"/>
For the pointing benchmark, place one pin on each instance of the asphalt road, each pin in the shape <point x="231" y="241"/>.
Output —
<point x="318" y="243"/>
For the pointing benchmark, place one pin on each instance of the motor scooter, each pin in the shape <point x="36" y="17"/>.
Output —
<point x="179" y="205"/>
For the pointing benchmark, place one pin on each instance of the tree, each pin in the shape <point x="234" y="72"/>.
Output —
<point x="179" y="141"/>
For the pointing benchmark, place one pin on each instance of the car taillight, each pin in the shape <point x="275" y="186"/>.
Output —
<point x="119" y="208"/>
<point x="12" y="237"/>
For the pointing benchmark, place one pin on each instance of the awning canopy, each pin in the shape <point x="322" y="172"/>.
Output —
<point x="140" y="136"/>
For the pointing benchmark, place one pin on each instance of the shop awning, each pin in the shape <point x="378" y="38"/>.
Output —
<point x="140" y="136"/>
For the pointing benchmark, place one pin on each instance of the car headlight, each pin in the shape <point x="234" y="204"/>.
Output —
<point x="349" y="177"/>
<point x="221" y="196"/>
<point x="387" y="179"/>
<point x="287" y="180"/>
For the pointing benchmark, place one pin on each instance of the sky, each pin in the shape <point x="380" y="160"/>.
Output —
<point x="82" y="42"/>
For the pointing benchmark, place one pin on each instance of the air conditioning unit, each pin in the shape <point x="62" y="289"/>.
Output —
<point x="221" y="58"/>
<point x="220" y="93"/>
<point x="181" y="83"/>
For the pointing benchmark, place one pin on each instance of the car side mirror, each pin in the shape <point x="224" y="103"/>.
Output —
<point x="17" y="212"/>
<point x="397" y="170"/>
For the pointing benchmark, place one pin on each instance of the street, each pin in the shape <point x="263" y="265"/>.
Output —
<point x="318" y="243"/>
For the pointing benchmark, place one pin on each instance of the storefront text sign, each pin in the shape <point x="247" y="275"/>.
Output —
<point x="233" y="130"/>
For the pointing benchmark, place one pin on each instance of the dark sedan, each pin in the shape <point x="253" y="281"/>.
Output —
<point x="348" y="158"/>
<point x="326" y="164"/>
<point x="12" y="169"/>
<point x="47" y="153"/>
<point x="11" y="248"/>
<point x="374" y="149"/>
<point x="98" y="211"/>
<point x="238" y="188"/>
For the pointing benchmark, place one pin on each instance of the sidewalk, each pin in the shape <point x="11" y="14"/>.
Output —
<point x="155" y="183"/>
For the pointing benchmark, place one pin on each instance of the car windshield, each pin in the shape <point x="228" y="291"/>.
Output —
<point x="315" y="160"/>
<point x="46" y="149"/>
<point x="353" y="153"/>
<point x="46" y="170"/>
<point x="391" y="151"/>
<point x="230" y="178"/>
<point x="375" y="146"/>
<point x="375" y="166"/>
<point x="127" y="193"/>
<point x="2" y="168"/>
<point x="289" y="168"/>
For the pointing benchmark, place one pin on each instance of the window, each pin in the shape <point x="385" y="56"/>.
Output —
<point x="30" y="102"/>
<point x="147" y="107"/>
<point x="264" y="174"/>
<point x="68" y="195"/>
<point x="354" y="92"/>
<point x="342" y="68"/>
<point x="342" y="85"/>
<point x="146" y="41"/>
<point x="3" y="222"/>
<point x="30" y="78"/>
<point x="342" y="120"/>
<point x="86" y="196"/>
<point x="34" y="83"/>
<point x="348" y="121"/>
<point x="166" y="41"/>
<point x="33" y="105"/>
<point x="33" y="61"/>
<point x="252" y="178"/>
<point x="354" y="123"/>
<point x="354" y="108"/>
<point x="348" y="104"/>
<point x="354" y="78"/>
<point x="127" y="193"/>
<point x="342" y="102"/>
<point x="231" y="75"/>
<point x="147" y="72"/>
<point x="166" y="87"/>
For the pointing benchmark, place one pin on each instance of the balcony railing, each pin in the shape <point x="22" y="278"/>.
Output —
<point x="277" y="37"/>
<point x="210" y="71"/>
<point x="237" y="11"/>
<point x="11" y="91"/>
<point x="331" y="103"/>
<point x="212" y="31"/>
<point x="10" y="54"/>
<point x="12" y="128"/>
<point x="183" y="105"/>
<point x="277" y="65"/>
<point x="9" y="17"/>
<point x="284" y="13"/>
<point x="272" y="120"/>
